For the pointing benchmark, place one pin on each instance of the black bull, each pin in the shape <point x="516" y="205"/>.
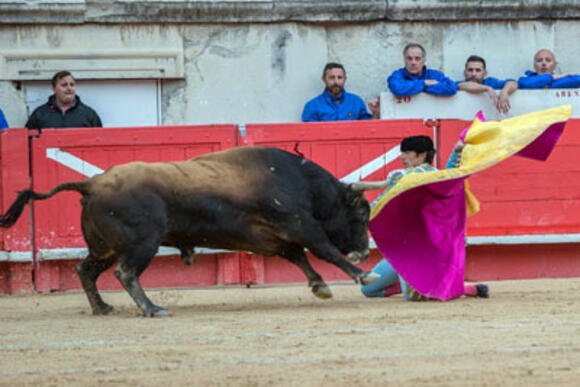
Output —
<point x="256" y="199"/>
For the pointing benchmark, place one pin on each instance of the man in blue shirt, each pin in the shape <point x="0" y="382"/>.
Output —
<point x="544" y="78"/>
<point x="335" y="104"/>
<point x="415" y="77"/>
<point x="3" y="122"/>
<point x="477" y="82"/>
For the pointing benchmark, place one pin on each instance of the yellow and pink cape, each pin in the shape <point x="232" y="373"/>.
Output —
<point x="419" y="224"/>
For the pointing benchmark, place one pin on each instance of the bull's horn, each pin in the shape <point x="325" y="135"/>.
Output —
<point x="368" y="185"/>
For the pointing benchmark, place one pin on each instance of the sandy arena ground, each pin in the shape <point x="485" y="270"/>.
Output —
<point x="526" y="334"/>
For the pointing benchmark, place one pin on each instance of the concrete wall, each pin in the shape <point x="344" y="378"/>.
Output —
<point x="259" y="61"/>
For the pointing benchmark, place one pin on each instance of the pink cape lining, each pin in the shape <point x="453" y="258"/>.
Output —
<point x="421" y="232"/>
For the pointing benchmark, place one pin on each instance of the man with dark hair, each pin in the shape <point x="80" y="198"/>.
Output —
<point x="544" y="78"/>
<point x="64" y="108"/>
<point x="335" y="104"/>
<point x="477" y="82"/>
<point x="417" y="154"/>
<point x="415" y="77"/>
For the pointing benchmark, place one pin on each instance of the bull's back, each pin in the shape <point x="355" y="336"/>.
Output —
<point x="241" y="174"/>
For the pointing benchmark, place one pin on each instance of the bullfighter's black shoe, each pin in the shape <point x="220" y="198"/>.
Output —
<point x="482" y="291"/>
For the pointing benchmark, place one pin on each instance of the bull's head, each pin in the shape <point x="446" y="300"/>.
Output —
<point x="359" y="213"/>
<point x="349" y="228"/>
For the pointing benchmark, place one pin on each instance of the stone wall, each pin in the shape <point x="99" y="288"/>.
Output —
<point x="258" y="61"/>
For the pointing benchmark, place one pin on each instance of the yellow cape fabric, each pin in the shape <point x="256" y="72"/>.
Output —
<point x="486" y="144"/>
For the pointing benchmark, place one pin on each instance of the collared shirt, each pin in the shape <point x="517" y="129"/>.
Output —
<point x="402" y="83"/>
<point x="494" y="83"/>
<point x="345" y="107"/>
<point x="533" y="80"/>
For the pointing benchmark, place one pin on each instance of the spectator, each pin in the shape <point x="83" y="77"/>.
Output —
<point x="477" y="82"/>
<point x="3" y="122"/>
<point x="415" y="77"/>
<point x="544" y="78"/>
<point x="64" y="108"/>
<point x="335" y="104"/>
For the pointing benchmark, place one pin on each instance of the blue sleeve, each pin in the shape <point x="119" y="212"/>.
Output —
<point x="309" y="113"/>
<point x="452" y="160"/>
<point x="494" y="83"/>
<point x="444" y="86"/>
<point x="569" y="82"/>
<point x="535" y="81"/>
<point x="402" y="87"/>
<point x="3" y="122"/>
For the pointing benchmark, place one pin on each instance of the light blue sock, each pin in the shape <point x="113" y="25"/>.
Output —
<point x="388" y="277"/>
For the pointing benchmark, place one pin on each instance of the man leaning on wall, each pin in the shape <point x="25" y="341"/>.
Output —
<point x="334" y="103"/>
<point x="415" y="77"/>
<point x="477" y="82"/>
<point x="543" y="76"/>
<point x="64" y="108"/>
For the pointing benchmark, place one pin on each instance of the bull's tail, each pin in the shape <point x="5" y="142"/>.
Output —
<point x="11" y="216"/>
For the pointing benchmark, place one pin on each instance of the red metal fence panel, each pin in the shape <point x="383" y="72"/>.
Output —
<point x="524" y="196"/>
<point x="520" y="198"/>
<point x="349" y="150"/>
<point x="70" y="155"/>
<point x="15" y="255"/>
<point x="537" y="202"/>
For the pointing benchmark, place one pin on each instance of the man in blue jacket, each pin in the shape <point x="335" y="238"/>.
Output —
<point x="415" y="77"/>
<point x="477" y="82"/>
<point x="544" y="78"/>
<point x="335" y="104"/>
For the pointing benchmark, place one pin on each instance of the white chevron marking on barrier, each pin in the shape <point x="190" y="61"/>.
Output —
<point x="372" y="166"/>
<point x="73" y="162"/>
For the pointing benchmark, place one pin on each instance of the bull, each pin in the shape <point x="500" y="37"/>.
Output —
<point x="257" y="199"/>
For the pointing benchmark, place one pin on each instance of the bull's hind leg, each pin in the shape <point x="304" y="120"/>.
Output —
<point x="129" y="270"/>
<point x="89" y="271"/>
<point x="319" y="288"/>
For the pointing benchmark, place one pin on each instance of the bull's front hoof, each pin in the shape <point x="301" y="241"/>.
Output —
<point x="322" y="291"/>
<point x="369" y="278"/>
<point x="102" y="310"/>
<point x="156" y="311"/>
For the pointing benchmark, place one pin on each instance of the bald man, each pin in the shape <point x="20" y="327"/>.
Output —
<point x="544" y="78"/>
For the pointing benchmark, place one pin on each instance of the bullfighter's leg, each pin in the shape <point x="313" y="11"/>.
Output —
<point x="315" y="281"/>
<point x="128" y="271"/>
<point x="89" y="271"/>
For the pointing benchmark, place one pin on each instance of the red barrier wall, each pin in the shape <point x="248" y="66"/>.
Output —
<point x="15" y="257"/>
<point x="518" y="197"/>
<point x="61" y="155"/>
<point x="522" y="196"/>
<point x="342" y="148"/>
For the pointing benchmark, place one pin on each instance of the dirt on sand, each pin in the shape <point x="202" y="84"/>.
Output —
<point x="527" y="333"/>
